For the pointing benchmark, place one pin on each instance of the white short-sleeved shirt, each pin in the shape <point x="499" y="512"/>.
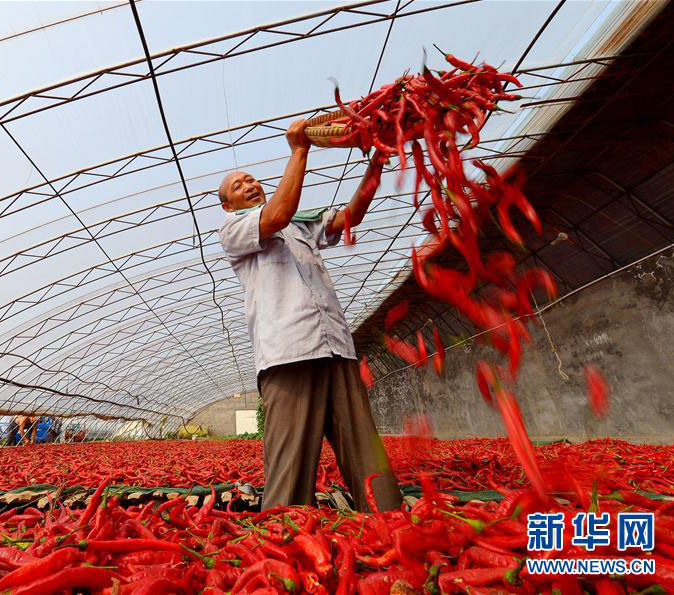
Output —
<point x="292" y="310"/>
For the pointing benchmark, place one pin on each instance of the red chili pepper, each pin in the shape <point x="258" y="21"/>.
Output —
<point x="395" y="314"/>
<point x="421" y="349"/>
<point x="607" y="586"/>
<point x="315" y="552"/>
<point x="597" y="391"/>
<point x="519" y="440"/>
<point x="404" y="351"/>
<point x="154" y="586"/>
<point x="14" y="558"/>
<point x="94" y="502"/>
<point x="39" y="568"/>
<point x="428" y="222"/>
<point x="282" y="571"/>
<point x="460" y="64"/>
<point x="81" y="577"/>
<point x="400" y="145"/>
<point x="380" y="583"/>
<point x="485" y="380"/>
<point x="439" y="355"/>
<point x="349" y="238"/>
<point x="476" y="577"/>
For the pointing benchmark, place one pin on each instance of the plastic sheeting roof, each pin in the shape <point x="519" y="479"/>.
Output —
<point x="115" y="297"/>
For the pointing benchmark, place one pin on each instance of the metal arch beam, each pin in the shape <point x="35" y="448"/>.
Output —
<point x="147" y="216"/>
<point x="114" y="329"/>
<point x="76" y="17"/>
<point x="29" y="363"/>
<point x="145" y="346"/>
<point x="201" y="53"/>
<point x="101" y="298"/>
<point x="143" y="279"/>
<point x="156" y="159"/>
<point x="601" y="108"/>
<point x="580" y="232"/>
<point x="148" y="397"/>
<point x="167" y="397"/>
<point x="662" y="220"/>
<point x="135" y="356"/>
<point x="39" y="171"/>
<point x="10" y="382"/>
<point x="141" y="257"/>
<point x="52" y="401"/>
<point x="168" y="382"/>
<point x="172" y="386"/>
<point x="191" y="315"/>
<point x="187" y="397"/>
<point x="99" y="230"/>
<point x="105" y="299"/>
<point x="176" y="159"/>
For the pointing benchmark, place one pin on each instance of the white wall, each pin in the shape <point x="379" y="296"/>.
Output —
<point x="246" y="421"/>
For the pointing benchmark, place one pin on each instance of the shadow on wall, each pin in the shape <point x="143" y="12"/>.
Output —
<point x="624" y="324"/>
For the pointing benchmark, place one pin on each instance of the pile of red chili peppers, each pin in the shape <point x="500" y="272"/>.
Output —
<point x="469" y="465"/>
<point x="434" y="545"/>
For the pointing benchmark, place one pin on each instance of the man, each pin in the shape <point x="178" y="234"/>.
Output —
<point x="304" y="355"/>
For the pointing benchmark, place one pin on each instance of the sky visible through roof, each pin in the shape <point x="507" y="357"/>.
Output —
<point x="125" y="301"/>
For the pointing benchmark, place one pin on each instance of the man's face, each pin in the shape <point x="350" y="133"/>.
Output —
<point x="240" y="190"/>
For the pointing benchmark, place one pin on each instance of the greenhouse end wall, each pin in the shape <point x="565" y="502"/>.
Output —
<point x="624" y="324"/>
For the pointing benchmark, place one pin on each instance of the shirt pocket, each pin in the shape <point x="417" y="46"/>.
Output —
<point x="276" y="251"/>
<point x="305" y="240"/>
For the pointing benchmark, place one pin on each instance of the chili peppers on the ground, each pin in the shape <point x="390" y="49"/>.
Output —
<point x="474" y="464"/>
<point x="433" y="545"/>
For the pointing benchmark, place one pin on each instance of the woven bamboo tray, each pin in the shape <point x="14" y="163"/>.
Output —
<point x="322" y="129"/>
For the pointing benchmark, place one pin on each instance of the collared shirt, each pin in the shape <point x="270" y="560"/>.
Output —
<point x="292" y="310"/>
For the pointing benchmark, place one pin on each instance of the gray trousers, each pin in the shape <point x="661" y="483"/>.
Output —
<point x="305" y="401"/>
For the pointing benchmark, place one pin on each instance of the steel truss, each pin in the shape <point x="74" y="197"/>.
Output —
<point x="136" y="323"/>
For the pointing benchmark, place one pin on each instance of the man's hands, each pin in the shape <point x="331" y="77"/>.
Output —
<point x="296" y="138"/>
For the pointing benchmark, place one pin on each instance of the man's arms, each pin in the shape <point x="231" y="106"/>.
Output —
<point x="278" y="212"/>
<point x="361" y="200"/>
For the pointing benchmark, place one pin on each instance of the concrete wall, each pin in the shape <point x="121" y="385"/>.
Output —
<point x="624" y="324"/>
<point x="220" y="417"/>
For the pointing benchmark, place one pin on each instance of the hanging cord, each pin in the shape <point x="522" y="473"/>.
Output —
<point x="562" y="373"/>
<point x="541" y="310"/>
<point x="162" y="114"/>
<point x="224" y="93"/>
